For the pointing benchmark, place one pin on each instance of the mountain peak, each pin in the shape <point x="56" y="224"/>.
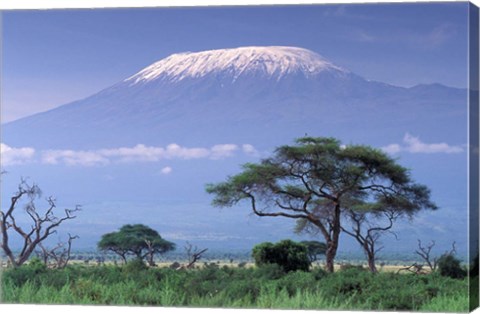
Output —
<point x="273" y="61"/>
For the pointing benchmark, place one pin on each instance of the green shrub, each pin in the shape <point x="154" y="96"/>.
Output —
<point x="290" y="255"/>
<point x="294" y="282"/>
<point x="134" y="266"/>
<point x="269" y="272"/>
<point x="319" y="273"/>
<point x="349" y="266"/>
<point x="267" y="286"/>
<point x="449" y="266"/>
<point x="350" y="282"/>
<point x="27" y="272"/>
<point x="247" y="290"/>
<point x="36" y="265"/>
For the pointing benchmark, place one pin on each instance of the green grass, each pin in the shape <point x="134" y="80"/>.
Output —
<point x="451" y="303"/>
<point x="266" y="287"/>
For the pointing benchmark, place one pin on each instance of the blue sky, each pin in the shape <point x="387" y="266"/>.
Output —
<point x="63" y="55"/>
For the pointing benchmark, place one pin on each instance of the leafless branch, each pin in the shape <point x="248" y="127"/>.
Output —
<point x="193" y="254"/>
<point x="42" y="225"/>
<point x="424" y="253"/>
<point x="60" y="254"/>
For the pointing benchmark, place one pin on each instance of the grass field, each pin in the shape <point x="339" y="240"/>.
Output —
<point x="225" y="286"/>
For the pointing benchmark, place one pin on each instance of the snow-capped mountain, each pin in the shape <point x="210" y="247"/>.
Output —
<point x="251" y="93"/>
<point x="269" y="62"/>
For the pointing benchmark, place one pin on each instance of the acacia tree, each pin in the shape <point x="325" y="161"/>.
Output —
<point x="317" y="180"/>
<point x="43" y="223"/>
<point x="138" y="240"/>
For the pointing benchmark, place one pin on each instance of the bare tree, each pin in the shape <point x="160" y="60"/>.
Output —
<point x="424" y="252"/>
<point x="43" y="223"/>
<point x="193" y="255"/>
<point x="367" y="233"/>
<point x="60" y="254"/>
<point x="415" y="268"/>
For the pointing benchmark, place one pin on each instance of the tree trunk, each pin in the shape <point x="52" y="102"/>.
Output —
<point x="150" y="259"/>
<point x="332" y="245"/>
<point x="10" y="255"/>
<point x="371" y="262"/>
<point x="330" y="257"/>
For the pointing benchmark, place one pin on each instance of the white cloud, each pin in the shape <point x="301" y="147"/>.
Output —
<point x="74" y="158"/>
<point x="174" y="151"/>
<point x="250" y="150"/>
<point x="392" y="148"/>
<point x="137" y="153"/>
<point x="15" y="156"/>
<point x="222" y="151"/>
<point x="166" y="170"/>
<point x="142" y="152"/>
<point x="414" y="145"/>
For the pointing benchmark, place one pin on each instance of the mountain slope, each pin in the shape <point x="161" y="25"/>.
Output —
<point x="251" y="93"/>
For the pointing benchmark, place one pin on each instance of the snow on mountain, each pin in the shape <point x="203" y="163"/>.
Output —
<point x="275" y="62"/>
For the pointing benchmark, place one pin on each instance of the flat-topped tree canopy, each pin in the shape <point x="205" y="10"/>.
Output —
<point x="138" y="240"/>
<point x="317" y="179"/>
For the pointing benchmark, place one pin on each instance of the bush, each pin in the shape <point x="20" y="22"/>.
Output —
<point x="134" y="266"/>
<point x="294" y="282"/>
<point x="36" y="265"/>
<point x="27" y="272"/>
<point x="449" y="266"/>
<point x="289" y="255"/>
<point x="348" y="266"/>
<point x="319" y="273"/>
<point x="269" y="272"/>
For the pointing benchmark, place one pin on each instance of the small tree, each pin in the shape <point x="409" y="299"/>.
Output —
<point x="449" y="266"/>
<point x="424" y="251"/>
<point x="314" y="249"/>
<point x="194" y="254"/>
<point x="138" y="240"/>
<point x="43" y="223"/>
<point x="289" y="255"/>
<point x="60" y="254"/>
<point x="367" y="228"/>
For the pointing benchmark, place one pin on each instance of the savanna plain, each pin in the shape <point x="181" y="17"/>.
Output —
<point x="234" y="286"/>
